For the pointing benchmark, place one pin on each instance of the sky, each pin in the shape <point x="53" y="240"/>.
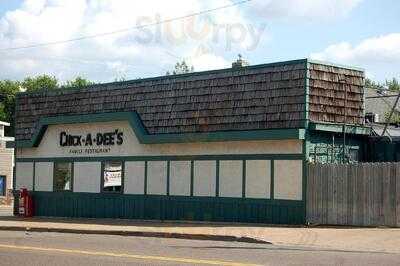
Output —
<point x="142" y="41"/>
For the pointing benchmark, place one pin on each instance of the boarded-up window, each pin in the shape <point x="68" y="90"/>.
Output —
<point x="204" y="178"/>
<point x="157" y="177"/>
<point x="230" y="178"/>
<point x="258" y="179"/>
<point x="87" y="177"/>
<point x="288" y="179"/>
<point x="134" y="177"/>
<point x="24" y="175"/>
<point x="179" y="178"/>
<point x="44" y="176"/>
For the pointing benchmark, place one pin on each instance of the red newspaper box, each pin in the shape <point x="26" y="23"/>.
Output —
<point x="25" y="207"/>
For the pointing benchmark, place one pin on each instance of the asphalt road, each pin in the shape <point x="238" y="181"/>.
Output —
<point x="20" y="248"/>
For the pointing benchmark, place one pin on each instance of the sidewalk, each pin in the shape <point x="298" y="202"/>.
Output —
<point x="339" y="238"/>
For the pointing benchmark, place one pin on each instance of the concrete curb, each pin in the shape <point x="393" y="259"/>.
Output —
<point x="138" y="234"/>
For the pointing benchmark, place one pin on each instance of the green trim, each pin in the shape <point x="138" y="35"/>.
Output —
<point x="72" y="176"/>
<point x="272" y="182"/>
<point x="191" y="177"/>
<point x="145" y="138"/>
<point x="33" y="176"/>
<point x="145" y="177"/>
<point x="299" y="156"/>
<point x="244" y="178"/>
<point x="338" y="128"/>
<point x="325" y="63"/>
<point x="304" y="172"/>
<point x="123" y="178"/>
<point x="217" y="178"/>
<point x="121" y="84"/>
<point x="161" y="207"/>
<point x="168" y="176"/>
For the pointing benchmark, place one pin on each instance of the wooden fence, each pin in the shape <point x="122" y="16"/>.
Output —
<point x="365" y="194"/>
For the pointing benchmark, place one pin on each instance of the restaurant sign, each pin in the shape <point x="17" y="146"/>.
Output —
<point x="89" y="143"/>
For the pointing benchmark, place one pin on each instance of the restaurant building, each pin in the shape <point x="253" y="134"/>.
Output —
<point x="224" y="145"/>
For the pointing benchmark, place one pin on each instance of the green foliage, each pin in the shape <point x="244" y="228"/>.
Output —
<point x="181" y="68"/>
<point x="8" y="90"/>
<point x="78" y="82"/>
<point x="393" y="84"/>
<point x="40" y="83"/>
<point x="395" y="119"/>
<point x="371" y="84"/>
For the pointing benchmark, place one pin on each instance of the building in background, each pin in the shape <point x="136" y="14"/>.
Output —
<point x="378" y="105"/>
<point x="6" y="165"/>
<point x="222" y="145"/>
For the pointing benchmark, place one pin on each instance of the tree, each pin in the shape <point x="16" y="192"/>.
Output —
<point x="78" y="82"/>
<point x="40" y="82"/>
<point x="393" y="84"/>
<point x="8" y="90"/>
<point x="371" y="84"/>
<point x="395" y="119"/>
<point x="181" y="68"/>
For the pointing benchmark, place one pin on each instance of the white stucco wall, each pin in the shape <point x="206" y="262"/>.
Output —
<point x="6" y="161"/>
<point x="288" y="179"/>
<point x="204" y="178"/>
<point x="24" y="175"/>
<point x="179" y="178"/>
<point x="44" y="176"/>
<point x="49" y="146"/>
<point x="157" y="177"/>
<point x="230" y="178"/>
<point x="134" y="177"/>
<point x="258" y="179"/>
<point x="87" y="176"/>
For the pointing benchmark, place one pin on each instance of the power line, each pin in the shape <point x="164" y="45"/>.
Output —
<point x="125" y="29"/>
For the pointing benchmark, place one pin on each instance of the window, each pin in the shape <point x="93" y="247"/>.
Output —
<point x="353" y="155"/>
<point x="112" y="176"/>
<point x="63" y="176"/>
<point x="2" y="185"/>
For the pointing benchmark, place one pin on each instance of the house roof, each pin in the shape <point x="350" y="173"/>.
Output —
<point x="378" y="102"/>
<point x="270" y="96"/>
<point x="253" y="98"/>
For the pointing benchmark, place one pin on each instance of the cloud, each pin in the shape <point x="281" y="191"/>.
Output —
<point x="379" y="55"/>
<point x="305" y="9"/>
<point x="130" y="54"/>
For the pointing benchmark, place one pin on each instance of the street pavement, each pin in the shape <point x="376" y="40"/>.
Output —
<point x="27" y="248"/>
<point x="337" y="238"/>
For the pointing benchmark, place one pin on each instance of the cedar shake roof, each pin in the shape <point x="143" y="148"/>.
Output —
<point x="270" y="96"/>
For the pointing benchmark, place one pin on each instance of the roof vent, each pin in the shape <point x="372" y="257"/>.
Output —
<point x="240" y="62"/>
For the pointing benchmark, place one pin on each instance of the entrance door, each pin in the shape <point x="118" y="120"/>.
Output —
<point x="2" y="185"/>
